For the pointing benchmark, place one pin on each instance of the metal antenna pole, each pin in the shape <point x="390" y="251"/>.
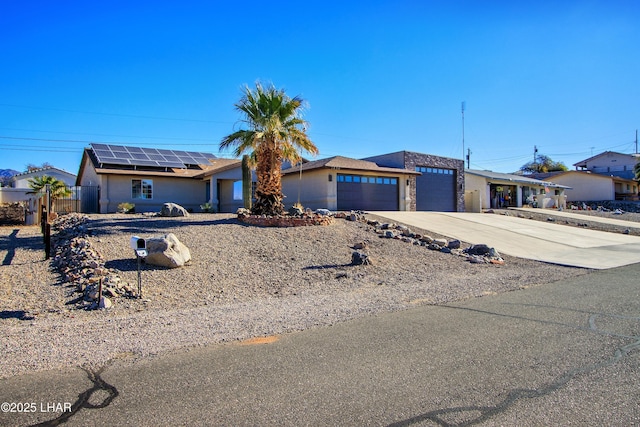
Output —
<point x="463" y="105"/>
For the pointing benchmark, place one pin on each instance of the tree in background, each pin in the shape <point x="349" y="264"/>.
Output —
<point x="275" y="132"/>
<point x="57" y="188"/>
<point x="31" y="167"/>
<point x="543" y="164"/>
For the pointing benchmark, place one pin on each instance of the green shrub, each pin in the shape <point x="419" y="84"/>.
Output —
<point x="126" y="207"/>
<point x="207" y="207"/>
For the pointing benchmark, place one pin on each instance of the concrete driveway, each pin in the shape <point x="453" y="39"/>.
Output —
<point x="524" y="238"/>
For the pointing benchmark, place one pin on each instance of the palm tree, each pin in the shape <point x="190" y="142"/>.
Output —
<point x="57" y="188"/>
<point x="636" y="170"/>
<point x="275" y="132"/>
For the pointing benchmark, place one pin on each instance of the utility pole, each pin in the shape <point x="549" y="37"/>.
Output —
<point x="636" y="141"/>
<point x="463" y="105"/>
<point x="468" y="158"/>
<point x="535" y="157"/>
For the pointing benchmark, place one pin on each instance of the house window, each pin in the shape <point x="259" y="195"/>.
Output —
<point x="142" y="189"/>
<point x="237" y="190"/>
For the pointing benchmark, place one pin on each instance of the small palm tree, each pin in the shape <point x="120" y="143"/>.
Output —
<point x="57" y="188"/>
<point x="275" y="132"/>
<point x="636" y="170"/>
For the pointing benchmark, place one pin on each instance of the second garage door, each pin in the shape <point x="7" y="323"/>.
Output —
<point x="436" y="189"/>
<point x="370" y="193"/>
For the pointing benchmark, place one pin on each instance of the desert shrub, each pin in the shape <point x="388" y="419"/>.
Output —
<point x="126" y="207"/>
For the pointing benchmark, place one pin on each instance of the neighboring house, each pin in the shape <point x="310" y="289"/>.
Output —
<point x="438" y="187"/>
<point x="610" y="163"/>
<point x="20" y="191"/>
<point x="342" y="183"/>
<point x="22" y="180"/>
<point x="587" y="186"/>
<point x="491" y="190"/>
<point x="148" y="177"/>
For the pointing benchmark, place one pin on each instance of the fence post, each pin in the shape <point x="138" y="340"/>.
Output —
<point x="47" y="241"/>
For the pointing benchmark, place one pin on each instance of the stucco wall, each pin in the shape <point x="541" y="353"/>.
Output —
<point x="89" y="175"/>
<point x="585" y="187"/>
<point x="611" y="162"/>
<point x="115" y="189"/>
<point x="478" y="191"/>
<point x="316" y="191"/>
<point x="12" y="195"/>
<point x="227" y="202"/>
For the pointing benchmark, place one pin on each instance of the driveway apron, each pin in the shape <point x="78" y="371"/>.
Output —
<point x="524" y="238"/>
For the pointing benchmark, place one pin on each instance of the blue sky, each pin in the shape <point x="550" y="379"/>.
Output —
<point x="378" y="76"/>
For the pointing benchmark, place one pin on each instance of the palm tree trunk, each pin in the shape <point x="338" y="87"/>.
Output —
<point x="269" y="190"/>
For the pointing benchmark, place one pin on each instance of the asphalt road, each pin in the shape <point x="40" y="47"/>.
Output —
<point x="566" y="353"/>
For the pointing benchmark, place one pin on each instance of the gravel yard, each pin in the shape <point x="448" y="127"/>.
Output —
<point x="243" y="282"/>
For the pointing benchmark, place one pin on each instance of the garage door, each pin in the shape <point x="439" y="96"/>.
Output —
<point x="370" y="193"/>
<point x="436" y="189"/>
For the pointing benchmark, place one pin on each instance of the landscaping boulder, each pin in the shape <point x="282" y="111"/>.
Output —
<point x="454" y="244"/>
<point x="173" y="209"/>
<point x="167" y="251"/>
<point x="295" y="211"/>
<point x="359" y="258"/>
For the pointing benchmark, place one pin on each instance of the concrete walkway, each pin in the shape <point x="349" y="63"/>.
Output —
<point x="568" y="214"/>
<point x="524" y="238"/>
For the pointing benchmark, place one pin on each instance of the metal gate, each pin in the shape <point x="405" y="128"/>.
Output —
<point x="82" y="198"/>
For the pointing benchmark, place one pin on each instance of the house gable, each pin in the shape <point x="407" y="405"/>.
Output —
<point x="610" y="163"/>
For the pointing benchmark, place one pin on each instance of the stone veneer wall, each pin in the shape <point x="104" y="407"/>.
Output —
<point x="413" y="159"/>
<point x="12" y="213"/>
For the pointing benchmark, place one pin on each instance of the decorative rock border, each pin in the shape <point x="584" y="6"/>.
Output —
<point x="306" y="219"/>
<point x="81" y="265"/>
<point x="475" y="254"/>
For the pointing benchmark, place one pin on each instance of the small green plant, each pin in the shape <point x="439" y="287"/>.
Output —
<point x="126" y="207"/>
<point x="207" y="207"/>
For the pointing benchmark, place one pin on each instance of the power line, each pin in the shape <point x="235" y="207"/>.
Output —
<point x="113" y="114"/>
<point x="105" y="134"/>
<point x="84" y="141"/>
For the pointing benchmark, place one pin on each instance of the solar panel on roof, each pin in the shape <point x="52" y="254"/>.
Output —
<point x="145" y="163"/>
<point x="140" y="156"/>
<point x="171" y="164"/>
<point x="104" y="153"/>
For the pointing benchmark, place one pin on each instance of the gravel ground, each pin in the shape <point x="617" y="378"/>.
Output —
<point x="243" y="282"/>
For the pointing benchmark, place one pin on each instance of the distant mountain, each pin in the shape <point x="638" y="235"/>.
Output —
<point x="6" y="174"/>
